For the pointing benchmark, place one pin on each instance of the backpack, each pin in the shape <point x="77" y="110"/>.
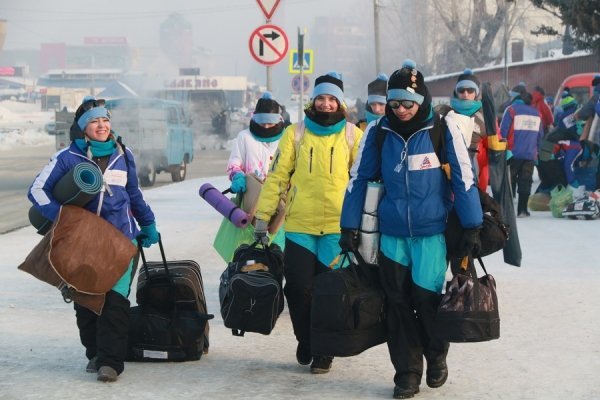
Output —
<point x="250" y="291"/>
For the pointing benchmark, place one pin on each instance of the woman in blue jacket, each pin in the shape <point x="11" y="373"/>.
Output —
<point x="412" y="220"/>
<point x="121" y="203"/>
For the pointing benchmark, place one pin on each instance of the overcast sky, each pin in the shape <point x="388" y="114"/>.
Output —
<point x="221" y="26"/>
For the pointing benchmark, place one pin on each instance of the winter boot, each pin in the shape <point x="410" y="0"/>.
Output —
<point x="321" y="364"/>
<point x="91" y="366"/>
<point x="107" y="374"/>
<point x="437" y="374"/>
<point x="303" y="355"/>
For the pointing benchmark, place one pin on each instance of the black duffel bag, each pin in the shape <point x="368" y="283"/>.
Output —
<point x="468" y="311"/>
<point x="493" y="233"/>
<point x="347" y="311"/>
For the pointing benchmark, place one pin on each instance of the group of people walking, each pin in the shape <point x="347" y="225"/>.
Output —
<point x="322" y="166"/>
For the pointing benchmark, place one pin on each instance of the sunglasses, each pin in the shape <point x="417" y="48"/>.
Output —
<point x="88" y="105"/>
<point x="466" y="89"/>
<point x="406" y="104"/>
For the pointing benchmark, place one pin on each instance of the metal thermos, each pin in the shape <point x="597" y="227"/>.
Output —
<point x="369" y="226"/>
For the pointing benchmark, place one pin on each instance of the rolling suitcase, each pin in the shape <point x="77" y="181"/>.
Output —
<point x="170" y="322"/>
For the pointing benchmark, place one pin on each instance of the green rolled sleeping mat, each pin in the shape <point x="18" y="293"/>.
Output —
<point x="77" y="187"/>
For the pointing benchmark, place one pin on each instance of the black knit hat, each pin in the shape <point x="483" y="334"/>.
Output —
<point x="331" y="84"/>
<point x="266" y="110"/>
<point x="377" y="90"/>
<point x="407" y="83"/>
<point x="467" y="80"/>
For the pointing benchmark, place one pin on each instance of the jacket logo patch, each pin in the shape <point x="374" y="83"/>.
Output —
<point x="420" y="162"/>
<point x="115" y="177"/>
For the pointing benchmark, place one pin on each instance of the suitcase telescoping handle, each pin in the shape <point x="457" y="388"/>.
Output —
<point x="162" y="254"/>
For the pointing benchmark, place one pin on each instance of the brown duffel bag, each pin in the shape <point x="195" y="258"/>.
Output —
<point x="82" y="255"/>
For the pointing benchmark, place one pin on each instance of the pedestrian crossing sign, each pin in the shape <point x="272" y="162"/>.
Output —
<point x="309" y="62"/>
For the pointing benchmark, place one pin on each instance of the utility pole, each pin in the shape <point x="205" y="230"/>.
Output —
<point x="506" y="43"/>
<point x="376" y="34"/>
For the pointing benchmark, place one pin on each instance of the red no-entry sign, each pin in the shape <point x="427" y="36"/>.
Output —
<point x="268" y="44"/>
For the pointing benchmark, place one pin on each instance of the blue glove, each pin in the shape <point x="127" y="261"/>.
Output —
<point x="149" y="235"/>
<point x="238" y="183"/>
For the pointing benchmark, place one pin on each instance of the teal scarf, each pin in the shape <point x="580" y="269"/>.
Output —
<point x="465" y="107"/>
<point x="371" y="117"/>
<point x="321" y="130"/>
<point x="99" y="149"/>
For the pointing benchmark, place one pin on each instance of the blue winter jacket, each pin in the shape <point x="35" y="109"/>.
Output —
<point x="119" y="204"/>
<point x="418" y="196"/>
<point x="521" y="126"/>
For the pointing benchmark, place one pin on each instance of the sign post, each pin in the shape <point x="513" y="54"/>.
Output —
<point x="301" y="64"/>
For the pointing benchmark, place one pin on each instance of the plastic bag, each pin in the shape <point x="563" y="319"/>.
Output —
<point x="560" y="197"/>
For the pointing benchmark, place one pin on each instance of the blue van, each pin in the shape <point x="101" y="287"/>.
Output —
<point x="158" y="132"/>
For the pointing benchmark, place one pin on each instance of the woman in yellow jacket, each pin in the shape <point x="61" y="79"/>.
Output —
<point x="311" y="168"/>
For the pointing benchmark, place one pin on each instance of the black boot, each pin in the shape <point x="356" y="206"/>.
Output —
<point x="437" y="374"/>
<point x="321" y="364"/>
<point x="407" y="386"/>
<point x="522" y="205"/>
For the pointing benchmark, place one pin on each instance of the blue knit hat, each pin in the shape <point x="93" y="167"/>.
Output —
<point x="407" y="83"/>
<point x="331" y="84"/>
<point x="90" y="109"/>
<point x="467" y="80"/>
<point x="377" y="90"/>
<point x="267" y="110"/>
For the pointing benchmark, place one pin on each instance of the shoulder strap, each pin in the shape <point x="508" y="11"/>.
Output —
<point x="350" y="136"/>
<point x="120" y="142"/>
<point x="437" y="135"/>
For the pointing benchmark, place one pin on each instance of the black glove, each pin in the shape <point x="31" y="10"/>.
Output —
<point x="470" y="242"/>
<point x="349" y="240"/>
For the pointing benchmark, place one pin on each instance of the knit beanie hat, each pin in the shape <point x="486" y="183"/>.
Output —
<point x="596" y="80"/>
<point x="520" y="89"/>
<point x="467" y="80"/>
<point x="407" y="83"/>
<point x="567" y="101"/>
<point x="90" y="109"/>
<point x="331" y="84"/>
<point x="267" y="110"/>
<point x="377" y="90"/>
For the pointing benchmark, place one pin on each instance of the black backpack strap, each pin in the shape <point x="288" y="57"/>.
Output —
<point x="120" y="142"/>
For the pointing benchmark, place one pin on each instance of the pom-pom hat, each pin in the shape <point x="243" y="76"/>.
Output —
<point x="407" y="83"/>
<point x="331" y="84"/>
<point x="267" y="110"/>
<point x="377" y="90"/>
<point x="467" y="80"/>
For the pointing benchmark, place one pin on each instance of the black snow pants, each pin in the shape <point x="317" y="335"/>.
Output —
<point x="411" y="313"/>
<point x="105" y="335"/>
<point x="301" y="268"/>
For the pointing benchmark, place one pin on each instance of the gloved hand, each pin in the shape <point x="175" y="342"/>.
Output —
<point x="260" y="232"/>
<point x="238" y="183"/>
<point x="349" y="240"/>
<point x="149" y="235"/>
<point x="470" y="242"/>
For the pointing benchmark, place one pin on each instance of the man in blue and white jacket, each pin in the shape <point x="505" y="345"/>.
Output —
<point x="521" y="126"/>
<point x="121" y="203"/>
<point x="412" y="220"/>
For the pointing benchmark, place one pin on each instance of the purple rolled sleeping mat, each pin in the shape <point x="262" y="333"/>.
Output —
<point x="223" y="205"/>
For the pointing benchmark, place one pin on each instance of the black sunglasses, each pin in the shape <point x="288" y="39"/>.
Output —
<point x="407" y="104"/>
<point x="88" y="105"/>
<point x="466" y="89"/>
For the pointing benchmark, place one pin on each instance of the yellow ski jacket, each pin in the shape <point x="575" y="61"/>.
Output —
<point x="311" y="172"/>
